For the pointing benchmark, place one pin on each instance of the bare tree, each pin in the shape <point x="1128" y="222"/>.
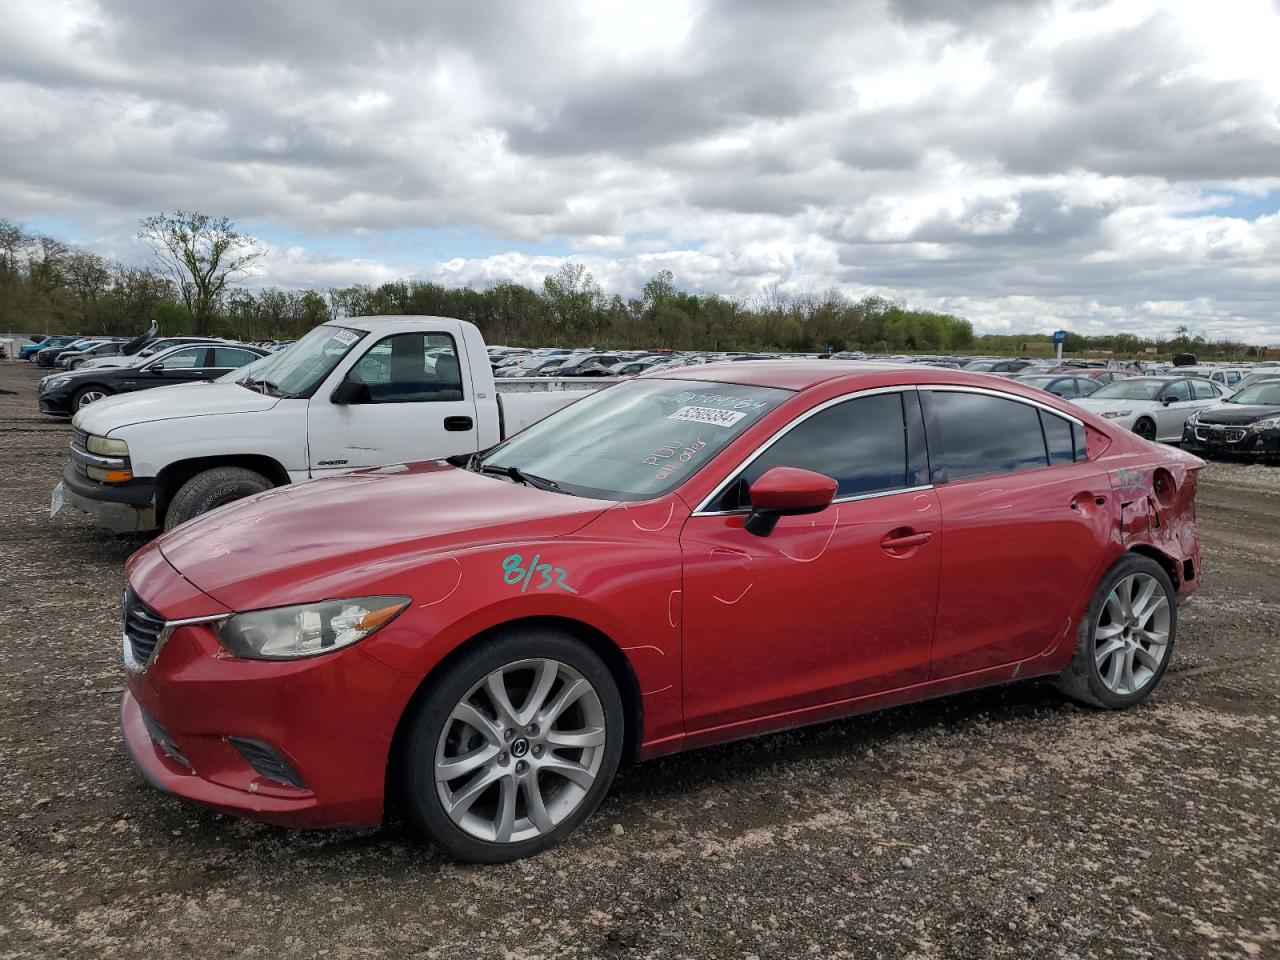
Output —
<point x="201" y="254"/>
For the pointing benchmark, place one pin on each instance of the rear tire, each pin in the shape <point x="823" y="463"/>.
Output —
<point x="525" y="774"/>
<point x="212" y="489"/>
<point x="1125" y="642"/>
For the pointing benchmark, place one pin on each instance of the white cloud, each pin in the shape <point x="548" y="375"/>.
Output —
<point x="1027" y="164"/>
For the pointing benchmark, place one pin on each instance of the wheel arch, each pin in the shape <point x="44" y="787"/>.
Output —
<point x="1167" y="563"/>
<point x="171" y="478"/>
<point x="597" y="640"/>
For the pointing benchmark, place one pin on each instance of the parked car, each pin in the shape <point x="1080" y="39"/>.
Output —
<point x="684" y="558"/>
<point x="1155" y="408"/>
<point x="585" y="365"/>
<point x="1245" y="424"/>
<point x="1259" y="376"/>
<point x="28" y="351"/>
<point x="147" y="349"/>
<point x="77" y="356"/>
<point x="1226" y="376"/>
<point x="46" y="355"/>
<point x="1067" y="386"/>
<point x="529" y="367"/>
<point x="66" y="393"/>
<point x="998" y="366"/>
<point x="365" y="392"/>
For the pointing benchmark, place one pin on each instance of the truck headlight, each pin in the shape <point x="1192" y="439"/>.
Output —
<point x="106" y="447"/>
<point x="287" y="633"/>
<point x="1115" y="414"/>
<point x="1271" y="423"/>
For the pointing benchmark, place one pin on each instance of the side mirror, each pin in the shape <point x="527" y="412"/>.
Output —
<point x="1168" y="399"/>
<point x="350" y="391"/>
<point x="156" y="368"/>
<point x="787" y="492"/>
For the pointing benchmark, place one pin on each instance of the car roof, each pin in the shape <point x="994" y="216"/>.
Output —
<point x="800" y="375"/>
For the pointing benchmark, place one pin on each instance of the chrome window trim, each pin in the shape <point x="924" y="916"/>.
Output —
<point x="702" y="510"/>
<point x="133" y="666"/>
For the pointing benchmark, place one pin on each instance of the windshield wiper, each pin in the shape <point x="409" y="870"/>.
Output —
<point x="519" y="476"/>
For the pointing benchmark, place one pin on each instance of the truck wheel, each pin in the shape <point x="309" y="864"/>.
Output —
<point x="1126" y="639"/>
<point x="513" y="747"/>
<point x="212" y="489"/>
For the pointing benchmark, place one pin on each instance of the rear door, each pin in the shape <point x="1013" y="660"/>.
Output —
<point x="1027" y="521"/>
<point x="417" y="403"/>
<point x="1176" y="406"/>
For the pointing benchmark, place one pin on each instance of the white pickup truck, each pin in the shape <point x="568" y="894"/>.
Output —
<point x="363" y="392"/>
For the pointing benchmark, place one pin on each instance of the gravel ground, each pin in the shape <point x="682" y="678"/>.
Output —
<point x="1007" y="823"/>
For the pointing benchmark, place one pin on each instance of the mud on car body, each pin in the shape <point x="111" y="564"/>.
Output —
<point x="685" y="558"/>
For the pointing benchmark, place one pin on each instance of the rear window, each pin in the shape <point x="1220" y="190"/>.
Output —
<point x="982" y="435"/>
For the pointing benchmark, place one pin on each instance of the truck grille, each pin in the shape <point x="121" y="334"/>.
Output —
<point x="142" y="627"/>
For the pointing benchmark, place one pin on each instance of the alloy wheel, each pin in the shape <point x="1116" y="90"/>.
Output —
<point x="1131" y="639"/>
<point x="520" y="751"/>
<point x="1145" y="429"/>
<point x="88" y="397"/>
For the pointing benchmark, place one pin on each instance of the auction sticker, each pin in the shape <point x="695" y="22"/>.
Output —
<point x="711" y="415"/>
<point x="346" y="337"/>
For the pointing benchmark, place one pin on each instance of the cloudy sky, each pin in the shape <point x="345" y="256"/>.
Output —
<point x="1095" y="165"/>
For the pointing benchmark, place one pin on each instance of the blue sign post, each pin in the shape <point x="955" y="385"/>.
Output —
<point x="1059" y="338"/>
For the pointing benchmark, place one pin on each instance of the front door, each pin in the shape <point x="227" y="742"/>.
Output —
<point x="415" y="403"/>
<point x="827" y="607"/>
<point x="188" y="365"/>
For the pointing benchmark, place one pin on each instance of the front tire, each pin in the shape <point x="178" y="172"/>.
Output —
<point x="212" y="489"/>
<point x="1125" y="642"/>
<point x="512" y="747"/>
<point x="1146" y="429"/>
<point x="87" y="395"/>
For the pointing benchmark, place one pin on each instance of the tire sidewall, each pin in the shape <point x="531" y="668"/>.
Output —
<point x="419" y="798"/>
<point x="205" y="492"/>
<point x="1125" y="567"/>
<point x="1154" y="431"/>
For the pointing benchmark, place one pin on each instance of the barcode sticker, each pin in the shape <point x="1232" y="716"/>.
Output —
<point x="711" y="415"/>
<point x="346" y="337"/>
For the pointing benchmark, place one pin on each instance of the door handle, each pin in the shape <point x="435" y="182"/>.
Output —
<point x="905" y="539"/>
<point x="457" y="423"/>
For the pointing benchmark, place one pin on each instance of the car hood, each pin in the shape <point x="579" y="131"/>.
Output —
<point x="361" y="531"/>
<point x="169" y="403"/>
<point x="1238" y="413"/>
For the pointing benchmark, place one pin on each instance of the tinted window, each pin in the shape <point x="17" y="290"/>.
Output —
<point x="1058" y="437"/>
<point x="1179" y="390"/>
<point x="229" y="357"/>
<point x="862" y="443"/>
<point x="1203" y="391"/>
<point x="184" y="359"/>
<point x="1084" y="387"/>
<point x="981" y="434"/>
<point x="410" y="367"/>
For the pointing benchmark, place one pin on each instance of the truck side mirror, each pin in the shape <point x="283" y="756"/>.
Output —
<point x="350" y="391"/>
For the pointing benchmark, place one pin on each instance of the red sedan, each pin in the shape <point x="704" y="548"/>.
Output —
<point x="680" y="559"/>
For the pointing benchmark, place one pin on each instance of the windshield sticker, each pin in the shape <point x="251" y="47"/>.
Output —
<point x="711" y="415"/>
<point x="514" y="572"/>
<point x="721" y="401"/>
<point x="346" y="337"/>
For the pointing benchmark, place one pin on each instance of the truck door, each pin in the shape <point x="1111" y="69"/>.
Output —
<point x="409" y="397"/>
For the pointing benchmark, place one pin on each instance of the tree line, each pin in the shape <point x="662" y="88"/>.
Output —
<point x="195" y="285"/>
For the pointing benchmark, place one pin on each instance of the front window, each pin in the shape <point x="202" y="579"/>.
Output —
<point x="1129" y="390"/>
<point x="300" y="369"/>
<point x="635" y="441"/>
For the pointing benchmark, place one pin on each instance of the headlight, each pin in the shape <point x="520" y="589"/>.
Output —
<point x="106" y="447"/>
<point x="52" y="383"/>
<point x="1271" y="423"/>
<point x="1114" y="414"/>
<point x="1194" y="418"/>
<point x="286" y="633"/>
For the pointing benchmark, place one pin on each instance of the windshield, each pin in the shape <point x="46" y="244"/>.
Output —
<point x="1038" y="381"/>
<point x="1129" y="390"/>
<point x="981" y="366"/>
<point x="1263" y="394"/>
<point x="635" y="441"/>
<point x="300" y="368"/>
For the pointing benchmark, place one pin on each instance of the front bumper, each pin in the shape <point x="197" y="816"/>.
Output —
<point x="123" y="507"/>
<point x="1231" y="440"/>
<point x="330" y="718"/>
<point x="56" y="403"/>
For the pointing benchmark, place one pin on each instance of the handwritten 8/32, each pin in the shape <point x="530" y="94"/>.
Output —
<point x="515" y="573"/>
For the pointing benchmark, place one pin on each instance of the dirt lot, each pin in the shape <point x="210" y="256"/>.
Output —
<point x="1008" y="823"/>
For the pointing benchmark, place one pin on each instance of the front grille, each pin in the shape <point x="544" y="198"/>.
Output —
<point x="80" y="438"/>
<point x="1221" y="434"/>
<point x="142" y="627"/>
<point x="165" y="742"/>
<point x="268" y="763"/>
